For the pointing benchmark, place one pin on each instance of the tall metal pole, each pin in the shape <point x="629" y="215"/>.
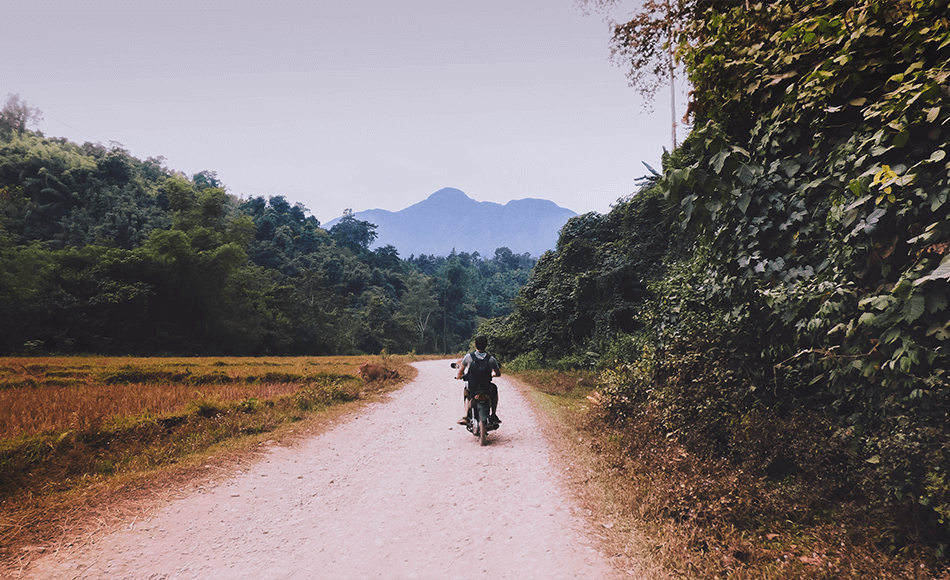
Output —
<point x="672" y="88"/>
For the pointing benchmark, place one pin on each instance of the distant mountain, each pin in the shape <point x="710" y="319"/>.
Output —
<point x="448" y="219"/>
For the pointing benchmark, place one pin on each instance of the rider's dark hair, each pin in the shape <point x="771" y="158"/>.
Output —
<point x="481" y="342"/>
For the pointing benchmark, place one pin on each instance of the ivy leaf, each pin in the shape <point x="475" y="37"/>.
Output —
<point x="940" y="332"/>
<point x="871" y="221"/>
<point x="719" y="159"/>
<point x="746" y="174"/>
<point x="776" y="79"/>
<point x="891" y="336"/>
<point x="743" y="202"/>
<point x="914" y="307"/>
<point x="938" y="201"/>
<point x="932" y="114"/>
<point x="850" y="216"/>
<point x="838" y="328"/>
<point x="936" y="302"/>
<point x="687" y="204"/>
<point x="942" y="272"/>
<point x="937" y="155"/>
<point x="904" y="364"/>
<point x="878" y="302"/>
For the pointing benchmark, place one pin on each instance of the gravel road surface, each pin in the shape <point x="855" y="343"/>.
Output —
<point x="398" y="490"/>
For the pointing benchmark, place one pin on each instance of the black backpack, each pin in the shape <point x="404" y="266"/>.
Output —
<point x="479" y="374"/>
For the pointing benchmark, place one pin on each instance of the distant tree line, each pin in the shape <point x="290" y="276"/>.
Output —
<point x="101" y="252"/>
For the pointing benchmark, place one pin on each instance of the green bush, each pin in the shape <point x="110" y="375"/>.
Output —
<point x="528" y="361"/>
<point x="207" y="408"/>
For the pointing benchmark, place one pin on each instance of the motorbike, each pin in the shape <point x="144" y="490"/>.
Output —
<point x="479" y="421"/>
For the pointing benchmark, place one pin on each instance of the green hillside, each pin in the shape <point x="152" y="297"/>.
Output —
<point x="101" y="252"/>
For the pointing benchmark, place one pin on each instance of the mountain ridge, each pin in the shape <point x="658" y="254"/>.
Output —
<point x="446" y="220"/>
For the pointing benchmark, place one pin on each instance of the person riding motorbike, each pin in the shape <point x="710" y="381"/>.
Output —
<point x="481" y="343"/>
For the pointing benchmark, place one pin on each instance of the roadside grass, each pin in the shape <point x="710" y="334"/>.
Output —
<point x="664" y="513"/>
<point x="76" y="432"/>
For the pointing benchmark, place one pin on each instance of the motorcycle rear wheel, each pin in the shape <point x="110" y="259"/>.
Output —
<point x="482" y="432"/>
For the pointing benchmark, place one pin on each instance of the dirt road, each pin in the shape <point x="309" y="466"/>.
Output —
<point x="398" y="491"/>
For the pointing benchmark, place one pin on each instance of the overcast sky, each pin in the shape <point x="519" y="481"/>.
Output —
<point x="341" y="105"/>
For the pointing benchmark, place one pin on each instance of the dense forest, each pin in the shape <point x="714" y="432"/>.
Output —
<point x="101" y="252"/>
<point x="777" y="297"/>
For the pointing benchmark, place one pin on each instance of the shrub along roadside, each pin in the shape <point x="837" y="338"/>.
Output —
<point x="698" y="514"/>
<point x="56" y="480"/>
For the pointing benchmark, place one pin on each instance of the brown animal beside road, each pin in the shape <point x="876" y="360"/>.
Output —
<point x="372" y="372"/>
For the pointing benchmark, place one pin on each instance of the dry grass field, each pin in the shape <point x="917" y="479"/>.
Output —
<point x="48" y="394"/>
<point x="75" y="432"/>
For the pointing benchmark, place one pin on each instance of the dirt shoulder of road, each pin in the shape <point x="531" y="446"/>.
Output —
<point x="590" y="483"/>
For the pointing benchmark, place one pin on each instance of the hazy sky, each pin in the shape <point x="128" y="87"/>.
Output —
<point x="345" y="104"/>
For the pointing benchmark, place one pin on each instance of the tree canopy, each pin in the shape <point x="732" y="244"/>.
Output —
<point x="17" y="115"/>
<point x="102" y="252"/>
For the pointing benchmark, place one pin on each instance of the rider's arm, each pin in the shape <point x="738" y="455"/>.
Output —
<point x="461" y="366"/>
<point x="497" y="368"/>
